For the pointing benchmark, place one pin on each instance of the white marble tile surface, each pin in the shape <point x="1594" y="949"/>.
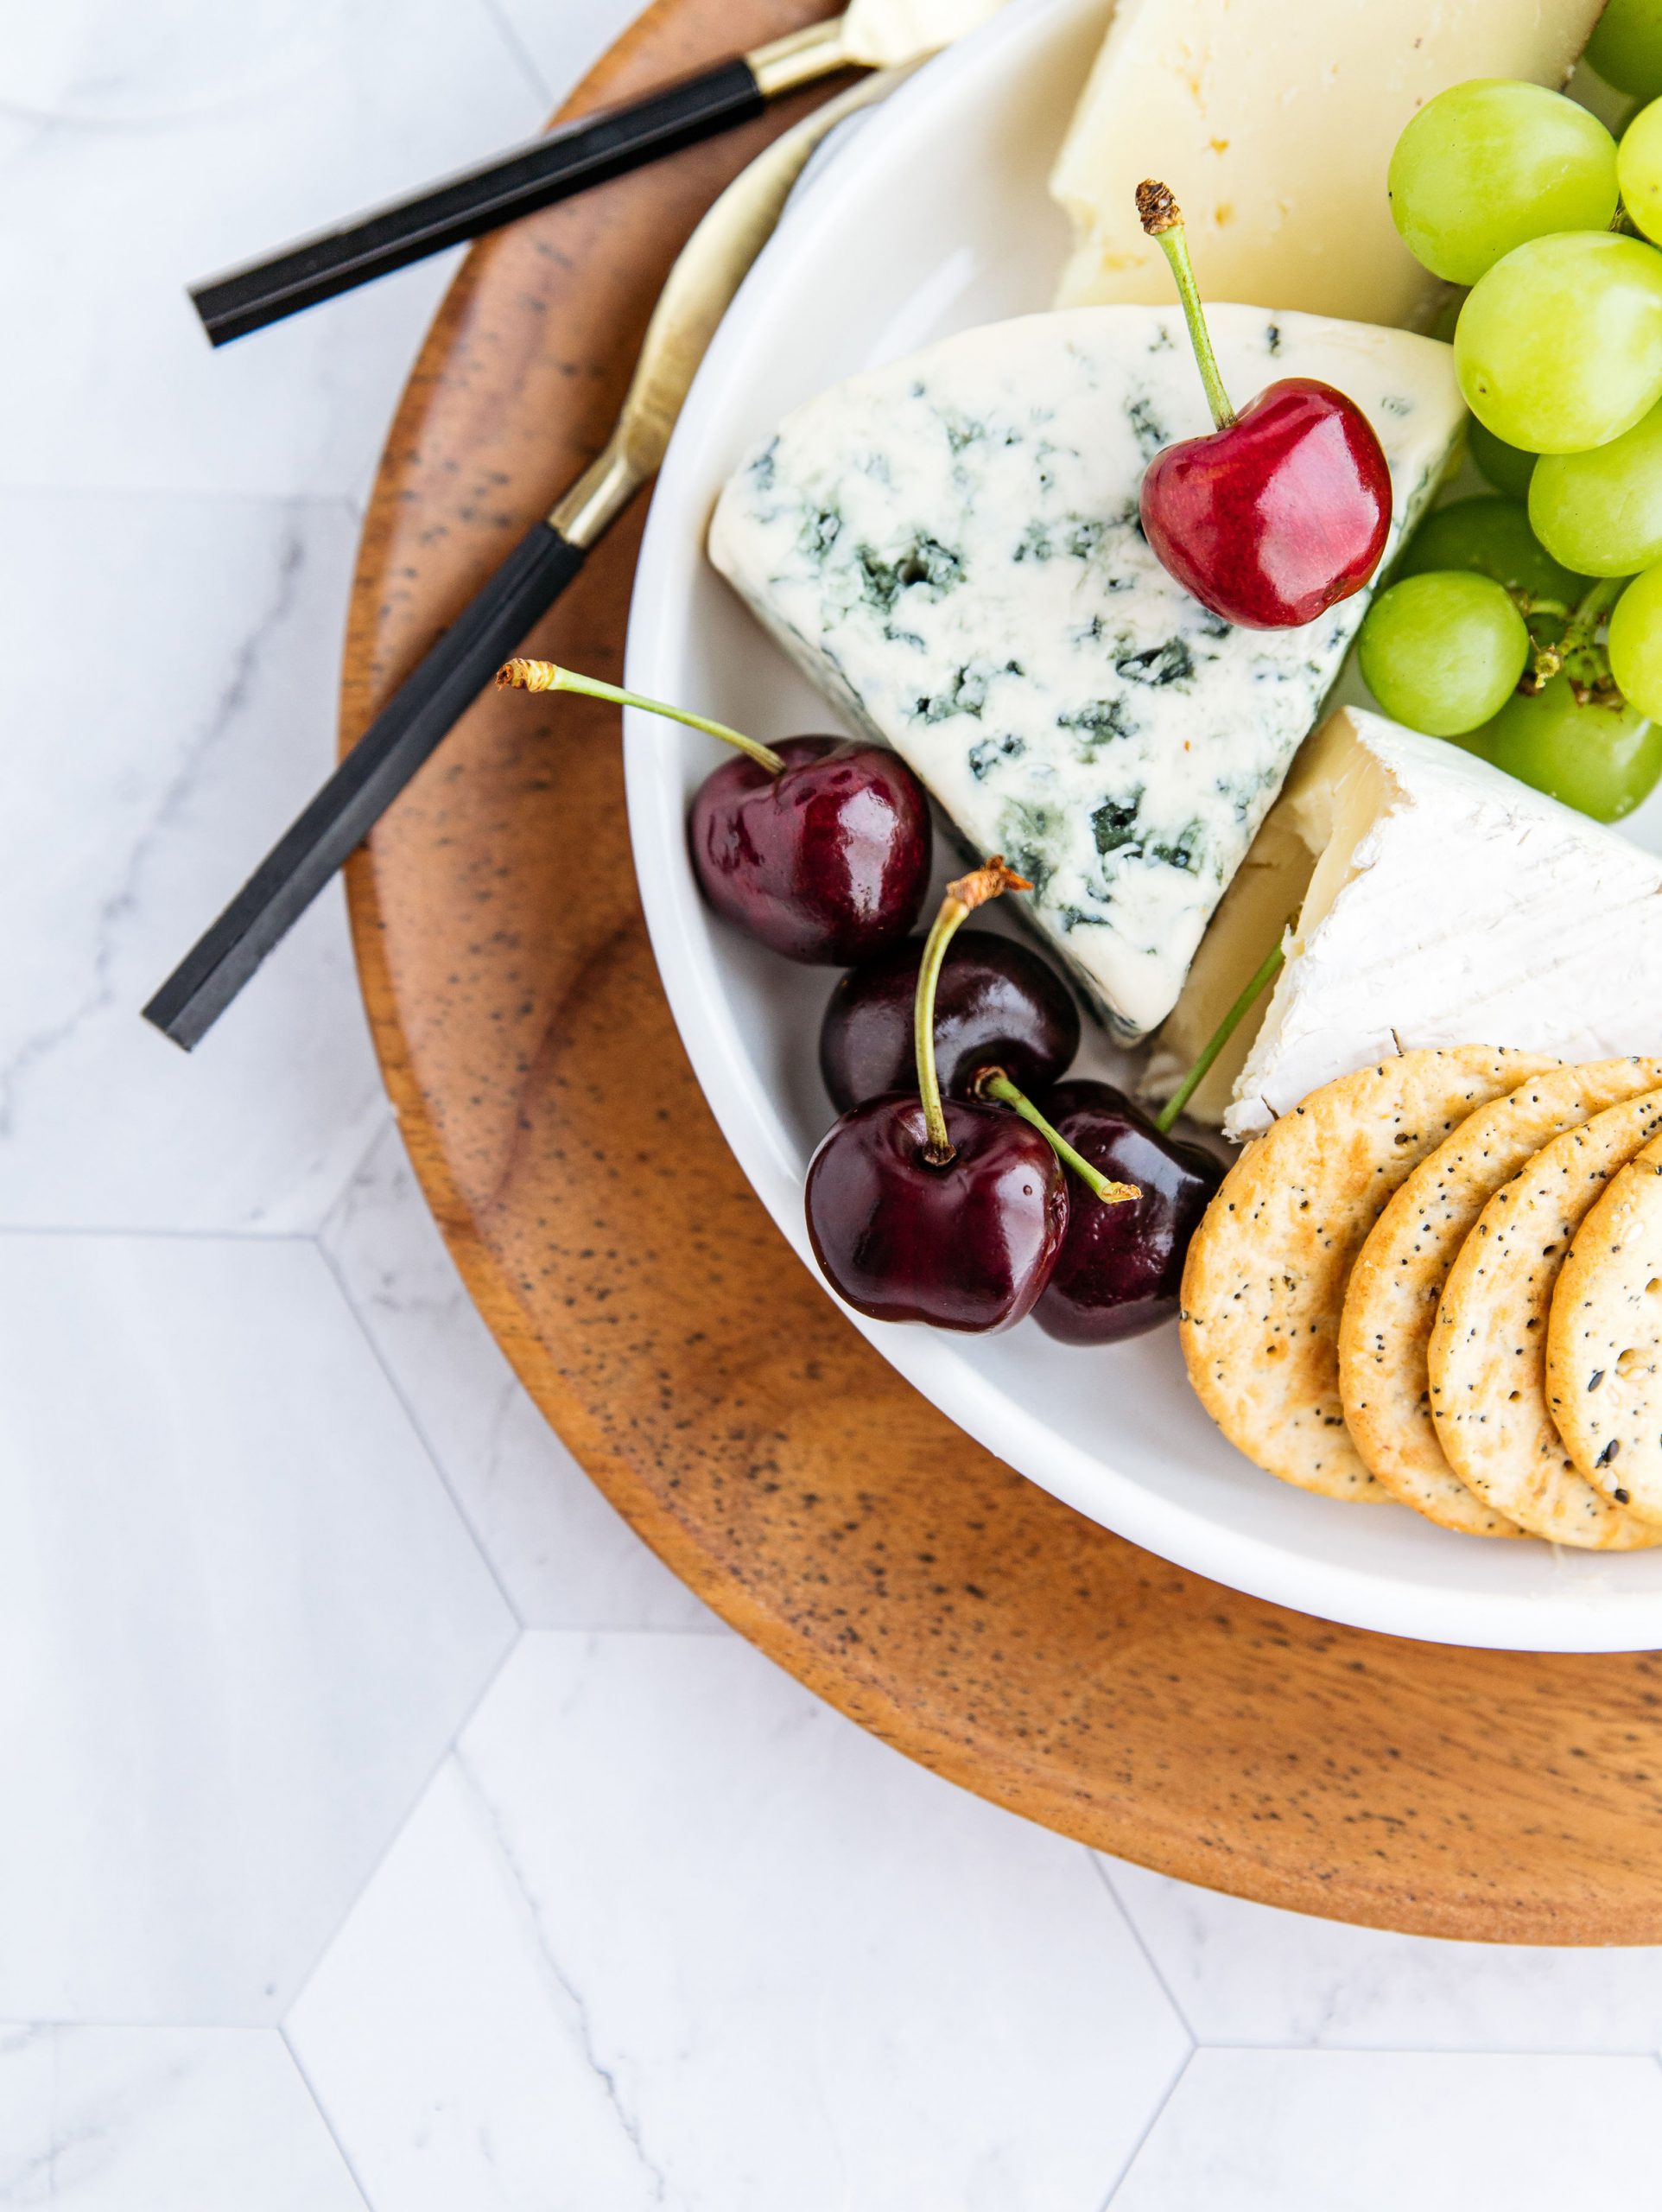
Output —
<point x="634" y="1923"/>
<point x="239" y="1621"/>
<point x="565" y="1558"/>
<point x="162" y="2119"/>
<point x="148" y="147"/>
<point x="1245" y="1973"/>
<point x="1248" y="2130"/>
<point x="166" y="696"/>
<point x="559" y="38"/>
<point x="667" y="1930"/>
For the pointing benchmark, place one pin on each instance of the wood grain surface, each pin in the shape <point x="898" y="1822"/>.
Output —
<point x="709" y="1388"/>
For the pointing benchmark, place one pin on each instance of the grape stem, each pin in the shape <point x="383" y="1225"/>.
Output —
<point x="1162" y="219"/>
<point x="1220" y="1037"/>
<point x="1590" y="611"/>
<point x="1579" y="634"/>
<point x="548" y="676"/>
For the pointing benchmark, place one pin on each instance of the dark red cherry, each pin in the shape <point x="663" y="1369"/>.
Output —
<point x="819" y="846"/>
<point x="996" y="1002"/>
<point x="827" y="862"/>
<point x="1121" y="1266"/>
<point x="969" y="1245"/>
<point x="923" y="1208"/>
<point x="1278" y="512"/>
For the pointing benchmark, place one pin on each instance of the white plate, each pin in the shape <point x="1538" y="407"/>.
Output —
<point x="931" y="219"/>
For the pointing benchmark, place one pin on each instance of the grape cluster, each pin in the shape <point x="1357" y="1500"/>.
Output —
<point x="1527" y="624"/>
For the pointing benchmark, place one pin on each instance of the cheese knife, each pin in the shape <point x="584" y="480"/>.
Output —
<point x="868" y="34"/>
<point x="444" y="683"/>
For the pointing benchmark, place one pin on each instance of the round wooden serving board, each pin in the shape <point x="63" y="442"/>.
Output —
<point x="707" y="1383"/>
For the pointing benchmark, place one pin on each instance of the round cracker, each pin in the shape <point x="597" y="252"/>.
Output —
<point x="1604" y="1340"/>
<point x="1487" y="1353"/>
<point x="1264" y="1283"/>
<point x="1392" y="1301"/>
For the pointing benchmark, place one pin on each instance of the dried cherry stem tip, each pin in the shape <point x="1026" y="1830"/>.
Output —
<point x="994" y="1083"/>
<point x="1162" y="219"/>
<point x="522" y="675"/>
<point x="1226" y="1029"/>
<point x="962" y="897"/>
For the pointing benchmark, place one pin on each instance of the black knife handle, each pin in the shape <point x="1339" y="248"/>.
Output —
<point x="544" y="169"/>
<point x="408" y="729"/>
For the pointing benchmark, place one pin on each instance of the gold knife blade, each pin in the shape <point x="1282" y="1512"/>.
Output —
<point x="700" y="288"/>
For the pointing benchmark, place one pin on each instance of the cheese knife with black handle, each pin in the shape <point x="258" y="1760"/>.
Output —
<point x="421" y="713"/>
<point x="868" y="34"/>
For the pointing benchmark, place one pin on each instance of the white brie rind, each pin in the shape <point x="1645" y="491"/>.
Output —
<point x="1429" y="898"/>
<point x="950" y="547"/>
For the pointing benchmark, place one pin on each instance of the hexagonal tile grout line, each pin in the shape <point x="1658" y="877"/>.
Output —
<point x="408" y="1814"/>
<point x="1152" y="2122"/>
<point x="322" y="2110"/>
<point x="1421" y="2049"/>
<point x="417" y="1429"/>
<point x="129" y="1232"/>
<point x="1141" y="1941"/>
<point x="508" y="31"/>
<point x="1128" y="1921"/>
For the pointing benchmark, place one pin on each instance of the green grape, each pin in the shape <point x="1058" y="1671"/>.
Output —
<point x="1635" y="641"/>
<point x="1492" y="536"/>
<point x="1603" y="760"/>
<point x="1639" y="169"/>
<point x="1489" y="164"/>
<point x="1626" y="47"/>
<point x="1440" y="651"/>
<point x="1559" y="347"/>
<point x="1508" y="468"/>
<point x="1601" y="512"/>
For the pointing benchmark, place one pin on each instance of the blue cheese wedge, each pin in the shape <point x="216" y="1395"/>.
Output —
<point x="1437" y="902"/>
<point x="950" y="547"/>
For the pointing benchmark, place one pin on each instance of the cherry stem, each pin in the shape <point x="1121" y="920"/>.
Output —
<point x="548" y="675"/>
<point x="994" y="1083"/>
<point x="962" y="897"/>
<point x="1162" y="219"/>
<point x="1220" y="1037"/>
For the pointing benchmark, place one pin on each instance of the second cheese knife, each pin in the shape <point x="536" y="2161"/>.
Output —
<point x="868" y="34"/>
<point x="710" y="269"/>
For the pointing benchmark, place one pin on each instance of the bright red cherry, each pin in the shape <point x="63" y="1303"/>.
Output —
<point x="820" y="847"/>
<point x="1283" y="510"/>
<point x="952" y="1213"/>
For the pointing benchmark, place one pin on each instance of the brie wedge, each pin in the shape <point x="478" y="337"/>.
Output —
<point x="1432" y="901"/>
<point x="950" y="547"/>
<point x="1274" y="125"/>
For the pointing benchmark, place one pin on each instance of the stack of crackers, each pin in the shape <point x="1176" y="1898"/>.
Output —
<point x="1439" y="1280"/>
